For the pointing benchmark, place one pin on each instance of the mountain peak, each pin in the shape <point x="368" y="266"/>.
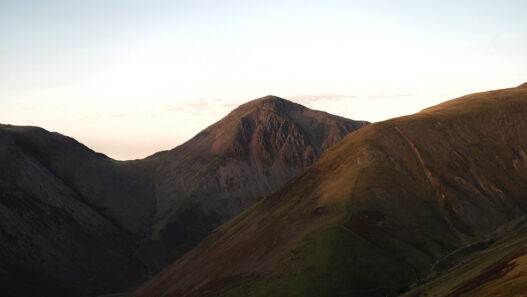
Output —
<point x="272" y="121"/>
<point x="271" y="98"/>
<point x="524" y="85"/>
<point x="269" y="102"/>
<point x="230" y="165"/>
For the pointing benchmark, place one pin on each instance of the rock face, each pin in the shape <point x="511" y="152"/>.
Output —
<point x="69" y="218"/>
<point x="229" y="166"/>
<point x="74" y="222"/>
<point x="392" y="205"/>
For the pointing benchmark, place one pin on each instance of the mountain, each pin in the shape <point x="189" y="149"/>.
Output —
<point x="229" y="166"/>
<point x="74" y="222"/>
<point x="393" y="207"/>
<point x="69" y="217"/>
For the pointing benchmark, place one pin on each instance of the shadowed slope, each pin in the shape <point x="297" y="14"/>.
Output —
<point x="74" y="222"/>
<point x="498" y="268"/>
<point x="383" y="209"/>
<point x="69" y="218"/>
<point x="122" y="191"/>
<point x="229" y="166"/>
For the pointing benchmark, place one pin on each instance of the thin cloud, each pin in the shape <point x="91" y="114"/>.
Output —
<point x="230" y="105"/>
<point x="118" y="115"/>
<point x="388" y="96"/>
<point x="197" y="104"/>
<point x="200" y="106"/>
<point x="317" y="98"/>
<point x="174" y="108"/>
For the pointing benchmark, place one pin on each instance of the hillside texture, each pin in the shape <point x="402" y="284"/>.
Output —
<point x="74" y="222"/>
<point x="229" y="166"/>
<point x="394" y="205"/>
<point x="69" y="217"/>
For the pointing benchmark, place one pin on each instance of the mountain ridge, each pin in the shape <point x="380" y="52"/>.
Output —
<point x="376" y="212"/>
<point x="76" y="222"/>
<point x="247" y="154"/>
<point x="51" y="226"/>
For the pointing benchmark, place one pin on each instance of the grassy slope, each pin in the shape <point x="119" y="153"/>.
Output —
<point x="376" y="213"/>
<point x="330" y="261"/>
<point x="485" y="273"/>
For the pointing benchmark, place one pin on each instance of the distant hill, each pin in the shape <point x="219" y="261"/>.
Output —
<point x="69" y="217"/>
<point x="397" y="207"/>
<point x="74" y="222"/>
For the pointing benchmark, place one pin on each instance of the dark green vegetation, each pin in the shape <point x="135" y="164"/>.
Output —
<point x="74" y="222"/>
<point x="398" y="206"/>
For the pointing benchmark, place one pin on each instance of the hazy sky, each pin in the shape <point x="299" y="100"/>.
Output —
<point x="129" y="78"/>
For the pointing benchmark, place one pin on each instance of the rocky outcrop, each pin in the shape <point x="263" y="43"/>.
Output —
<point x="229" y="166"/>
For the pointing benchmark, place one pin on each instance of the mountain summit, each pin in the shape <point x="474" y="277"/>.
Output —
<point x="230" y="165"/>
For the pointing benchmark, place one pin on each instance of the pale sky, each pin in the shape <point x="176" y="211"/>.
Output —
<point x="129" y="78"/>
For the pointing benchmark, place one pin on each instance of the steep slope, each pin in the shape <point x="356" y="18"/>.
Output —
<point x="122" y="191"/>
<point x="74" y="222"/>
<point x="229" y="166"/>
<point x="392" y="205"/>
<point x="69" y="218"/>
<point x="497" y="270"/>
